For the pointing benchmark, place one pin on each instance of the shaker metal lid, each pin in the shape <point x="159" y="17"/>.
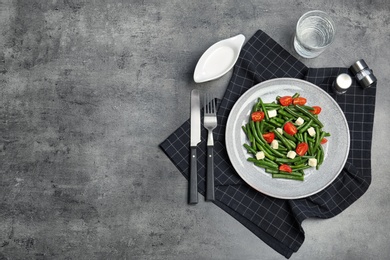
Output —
<point x="358" y="66"/>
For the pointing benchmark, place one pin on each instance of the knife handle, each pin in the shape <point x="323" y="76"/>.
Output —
<point x="193" y="182"/>
<point x="210" y="196"/>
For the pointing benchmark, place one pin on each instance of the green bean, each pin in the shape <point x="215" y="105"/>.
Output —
<point x="272" y="105"/>
<point x="306" y="126"/>
<point x="244" y="129"/>
<point x="310" y="150"/>
<point x="262" y="163"/>
<point x="304" y="137"/>
<point x="248" y="130"/>
<point x="321" y="158"/>
<point x="292" y="112"/>
<point x="300" y="167"/>
<point x="249" y="149"/>
<point x="290" y="137"/>
<point x="261" y="126"/>
<point x="310" y="139"/>
<point x="274" y="123"/>
<point x="267" y="152"/>
<point x="283" y="140"/>
<point x="258" y="131"/>
<point x="272" y="171"/>
<point x="281" y="149"/>
<point x="294" y="173"/>
<point x="264" y="109"/>
<point x="288" y="176"/>
<point x="254" y="132"/>
<point x="272" y="151"/>
<point x="291" y="109"/>
<point x="252" y="139"/>
<point x="319" y="136"/>
<point x="284" y="113"/>
<point x="249" y="136"/>
<point x="288" y="160"/>
<point x="299" y="137"/>
<point x="309" y="115"/>
<point x="309" y="108"/>
<point x="265" y="165"/>
<point x="318" y="157"/>
<point x="253" y="143"/>
<point x="297" y="166"/>
<point x="279" y="120"/>
<point x="292" y="143"/>
<point x="301" y="172"/>
<point x="271" y="161"/>
<point x="307" y="156"/>
<point x="257" y="106"/>
<point x="268" y="126"/>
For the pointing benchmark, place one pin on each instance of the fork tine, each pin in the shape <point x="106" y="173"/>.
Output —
<point x="209" y="105"/>
<point x="206" y="103"/>
<point x="213" y="108"/>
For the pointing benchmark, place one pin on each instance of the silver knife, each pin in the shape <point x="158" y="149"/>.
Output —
<point x="195" y="140"/>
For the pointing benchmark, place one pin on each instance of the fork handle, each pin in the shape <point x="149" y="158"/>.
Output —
<point x="193" y="181"/>
<point x="210" y="196"/>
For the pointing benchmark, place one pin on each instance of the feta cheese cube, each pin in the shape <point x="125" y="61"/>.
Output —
<point x="272" y="113"/>
<point x="275" y="144"/>
<point x="291" y="154"/>
<point x="311" y="131"/>
<point x="299" y="121"/>
<point x="312" y="162"/>
<point x="260" y="155"/>
<point x="280" y="130"/>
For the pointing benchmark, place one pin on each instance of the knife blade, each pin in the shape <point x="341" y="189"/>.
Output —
<point x="194" y="141"/>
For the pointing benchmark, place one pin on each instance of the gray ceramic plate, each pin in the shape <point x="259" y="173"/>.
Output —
<point x="336" y="149"/>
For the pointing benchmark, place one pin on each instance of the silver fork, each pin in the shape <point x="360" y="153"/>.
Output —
<point x="210" y="122"/>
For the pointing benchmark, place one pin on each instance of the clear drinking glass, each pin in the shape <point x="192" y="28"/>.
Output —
<point x="315" y="31"/>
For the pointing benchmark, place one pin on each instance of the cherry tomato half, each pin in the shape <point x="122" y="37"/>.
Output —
<point x="316" y="110"/>
<point x="269" y="137"/>
<point x="324" y="141"/>
<point x="285" y="168"/>
<point x="286" y="100"/>
<point x="302" y="149"/>
<point x="290" y="128"/>
<point x="299" y="101"/>
<point x="257" y="116"/>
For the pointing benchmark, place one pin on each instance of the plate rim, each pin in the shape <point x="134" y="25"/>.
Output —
<point x="274" y="82"/>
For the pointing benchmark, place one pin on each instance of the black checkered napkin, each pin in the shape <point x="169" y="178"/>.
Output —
<point x="278" y="222"/>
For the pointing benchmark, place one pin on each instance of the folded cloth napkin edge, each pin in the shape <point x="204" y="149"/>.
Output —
<point x="264" y="236"/>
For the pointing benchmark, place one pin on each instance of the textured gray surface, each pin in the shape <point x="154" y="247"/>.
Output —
<point x="90" y="88"/>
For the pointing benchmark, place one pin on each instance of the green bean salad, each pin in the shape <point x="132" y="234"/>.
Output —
<point x="285" y="137"/>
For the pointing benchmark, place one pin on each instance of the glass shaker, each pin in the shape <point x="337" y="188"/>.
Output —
<point x="342" y="83"/>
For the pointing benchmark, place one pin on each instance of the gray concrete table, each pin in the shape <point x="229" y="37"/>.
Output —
<point x="90" y="88"/>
